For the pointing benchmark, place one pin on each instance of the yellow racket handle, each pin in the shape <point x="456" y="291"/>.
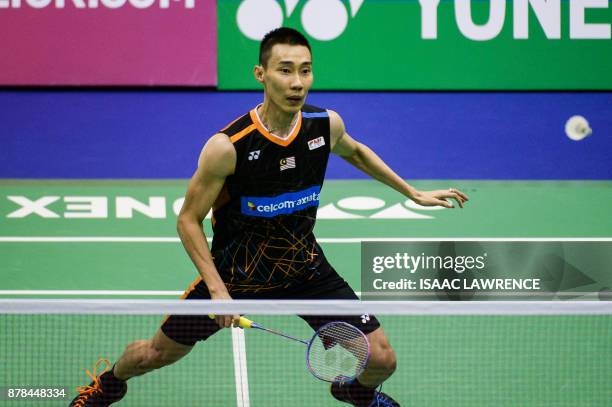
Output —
<point x="243" y="323"/>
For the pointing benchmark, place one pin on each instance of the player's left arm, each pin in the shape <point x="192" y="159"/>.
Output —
<point x="363" y="158"/>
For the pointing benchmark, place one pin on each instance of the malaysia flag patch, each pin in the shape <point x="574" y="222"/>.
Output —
<point x="287" y="163"/>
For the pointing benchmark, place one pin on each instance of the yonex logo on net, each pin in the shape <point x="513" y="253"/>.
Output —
<point x="284" y="204"/>
<point x="323" y="20"/>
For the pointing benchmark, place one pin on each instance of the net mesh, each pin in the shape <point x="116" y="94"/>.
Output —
<point x="560" y="359"/>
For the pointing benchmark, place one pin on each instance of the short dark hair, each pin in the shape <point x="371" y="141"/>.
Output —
<point x="282" y="35"/>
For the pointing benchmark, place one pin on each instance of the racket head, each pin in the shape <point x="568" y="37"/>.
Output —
<point x="337" y="352"/>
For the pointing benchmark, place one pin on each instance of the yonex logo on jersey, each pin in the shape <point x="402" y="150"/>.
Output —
<point x="287" y="163"/>
<point x="365" y="318"/>
<point x="284" y="204"/>
<point x="316" y="143"/>
<point x="254" y="155"/>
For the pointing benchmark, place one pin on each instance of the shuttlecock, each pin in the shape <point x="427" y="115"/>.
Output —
<point x="577" y="128"/>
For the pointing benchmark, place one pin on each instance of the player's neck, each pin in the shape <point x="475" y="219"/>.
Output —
<point x="275" y="120"/>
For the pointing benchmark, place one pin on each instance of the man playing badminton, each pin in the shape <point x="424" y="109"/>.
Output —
<point x="262" y="175"/>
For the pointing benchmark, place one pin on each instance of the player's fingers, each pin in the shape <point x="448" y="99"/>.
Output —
<point x="457" y="198"/>
<point x="235" y="320"/>
<point x="444" y="203"/>
<point x="224" y="321"/>
<point x="462" y="195"/>
<point x="458" y="193"/>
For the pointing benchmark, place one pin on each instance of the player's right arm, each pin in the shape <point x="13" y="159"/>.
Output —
<point x="217" y="161"/>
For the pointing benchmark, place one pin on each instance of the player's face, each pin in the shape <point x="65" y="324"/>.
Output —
<point x="287" y="77"/>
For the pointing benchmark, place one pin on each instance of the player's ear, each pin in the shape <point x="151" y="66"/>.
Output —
<point x="258" y="71"/>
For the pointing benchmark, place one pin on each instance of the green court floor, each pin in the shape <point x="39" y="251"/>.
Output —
<point x="496" y="209"/>
<point x="117" y="239"/>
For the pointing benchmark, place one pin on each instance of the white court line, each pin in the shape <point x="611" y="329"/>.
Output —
<point x="240" y="368"/>
<point x="97" y="292"/>
<point x="132" y="239"/>
<point x="87" y="239"/>
<point x="145" y="293"/>
<point x="92" y="292"/>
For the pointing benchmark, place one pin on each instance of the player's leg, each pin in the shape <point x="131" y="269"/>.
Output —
<point x="139" y="357"/>
<point x="381" y="365"/>
<point x="382" y="362"/>
<point x="172" y="341"/>
<point x="362" y="391"/>
<point x="143" y="356"/>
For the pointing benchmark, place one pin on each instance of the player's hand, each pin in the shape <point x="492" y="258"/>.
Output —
<point x="225" y="321"/>
<point x="439" y="198"/>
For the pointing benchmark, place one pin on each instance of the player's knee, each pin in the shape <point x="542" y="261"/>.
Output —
<point x="391" y="362"/>
<point x="388" y="361"/>
<point x="383" y="359"/>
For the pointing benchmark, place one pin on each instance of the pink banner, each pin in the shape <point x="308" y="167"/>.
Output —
<point x="108" y="42"/>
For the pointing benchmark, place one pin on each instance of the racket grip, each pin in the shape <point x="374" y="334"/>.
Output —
<point x="243" y="323"/>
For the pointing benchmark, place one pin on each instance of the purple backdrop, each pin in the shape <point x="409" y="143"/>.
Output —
<point x="126" y="45"/>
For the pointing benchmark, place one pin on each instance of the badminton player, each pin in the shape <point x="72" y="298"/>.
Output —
<point x="262" y="176"/>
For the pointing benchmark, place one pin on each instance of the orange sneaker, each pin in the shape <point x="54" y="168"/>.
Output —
<point x="104" y="390"/>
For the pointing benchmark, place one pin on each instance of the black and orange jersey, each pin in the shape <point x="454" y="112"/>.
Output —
<point x="264" y="217"/>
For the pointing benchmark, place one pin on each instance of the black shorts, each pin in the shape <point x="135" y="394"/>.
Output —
<point x="326" y="285"/>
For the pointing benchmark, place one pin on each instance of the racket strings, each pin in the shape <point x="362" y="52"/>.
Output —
<point x="338" y="352"/>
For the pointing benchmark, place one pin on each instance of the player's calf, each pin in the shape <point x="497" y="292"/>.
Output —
<point x="363" y="391"/>
<point x="141" y="357"/>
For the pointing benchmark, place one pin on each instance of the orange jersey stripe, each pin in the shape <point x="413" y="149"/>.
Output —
<point x="242" y="133"/>
<point x="191" y="287"/>
<point x="271" y="137"/>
